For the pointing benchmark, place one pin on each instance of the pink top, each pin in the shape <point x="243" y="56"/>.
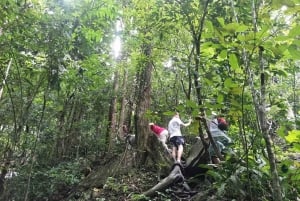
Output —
<point x="157" y="129"/>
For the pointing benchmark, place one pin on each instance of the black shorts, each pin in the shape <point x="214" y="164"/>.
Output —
<point x="177" y="140"/>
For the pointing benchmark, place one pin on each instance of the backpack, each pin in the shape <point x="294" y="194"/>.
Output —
<point x="222" y="124"/>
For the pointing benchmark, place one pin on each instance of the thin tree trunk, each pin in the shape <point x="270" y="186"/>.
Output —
<point x="197" y="35"/>
<point x="293" y="110"/>
<point x="34" y="148"/>
<point x="5" y="77"/>
<point x="121" y="134"/>
<point x="277" y="195"/>
<point x="111" y="129"/>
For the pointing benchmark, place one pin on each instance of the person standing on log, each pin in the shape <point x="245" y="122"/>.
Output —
<point x="176" y="137"/>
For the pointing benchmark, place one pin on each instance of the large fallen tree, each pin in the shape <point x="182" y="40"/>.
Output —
<point x="195" y="165"/>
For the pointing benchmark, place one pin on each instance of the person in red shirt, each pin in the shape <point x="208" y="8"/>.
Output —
<point x="161" y="133"/>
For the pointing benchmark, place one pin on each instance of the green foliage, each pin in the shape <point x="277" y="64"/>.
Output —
<point x="289" y="172"/>
<point x="293" y="137"/>
<point x="139" y="197"/>
<point x="56" y="98"/>
<point x="243" y="183"/>
<point x="45" y="182"/>
<point x="114" y="185"/>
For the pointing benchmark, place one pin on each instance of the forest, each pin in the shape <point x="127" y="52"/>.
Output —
<point x="82" y="79"/>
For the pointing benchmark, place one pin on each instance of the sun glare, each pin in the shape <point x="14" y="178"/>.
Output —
<point x="116" y="46"/>
<point x="117" y="43"/>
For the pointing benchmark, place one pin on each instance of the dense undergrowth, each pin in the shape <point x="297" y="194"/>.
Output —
<point x="234" y="180"/>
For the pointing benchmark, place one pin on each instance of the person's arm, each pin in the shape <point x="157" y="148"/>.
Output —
<point x="188" y="123"/>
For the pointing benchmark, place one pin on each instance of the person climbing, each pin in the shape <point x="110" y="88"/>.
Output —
<point x="129" y="138"/>
<point x="161" y="133"/>
<point x="218" y="126"/>
<point x="176" y="137"/>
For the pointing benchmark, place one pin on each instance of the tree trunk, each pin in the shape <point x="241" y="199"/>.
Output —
<point x="112" y="119"/>
<point x="5" y="77"/>
<point x="121" y="133"/>
<point x="277" y="195"/>
<point x="143" y="104"/>
<point x="196" y="52"/>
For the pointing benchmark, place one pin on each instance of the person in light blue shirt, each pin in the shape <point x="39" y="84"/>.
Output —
<point x="220" y="137"/>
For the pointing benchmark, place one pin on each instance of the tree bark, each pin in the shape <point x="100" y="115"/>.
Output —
<point x="277" y="195"/>
<point x="121" y="133"/>
<point x="112" y="119"/>
<point x="143" y="104"/>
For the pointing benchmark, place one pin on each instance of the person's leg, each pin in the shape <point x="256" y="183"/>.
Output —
<point x="213" y="157"/>
<point x="163" y="139"/>
<point x="179" y="152"/>
<point x="165" y="146"/>
<point x="174" y="150"/>
<point x="180" y="143"/>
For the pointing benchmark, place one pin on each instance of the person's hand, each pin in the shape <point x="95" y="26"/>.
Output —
<point x="199" y="117"/>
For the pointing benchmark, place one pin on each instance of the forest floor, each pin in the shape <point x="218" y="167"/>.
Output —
<point x="124" y="187"/>
<point x="111" y="179"/>
<point x="128" y="184"/>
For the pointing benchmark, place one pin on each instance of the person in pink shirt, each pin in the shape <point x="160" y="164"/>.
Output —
<point x="161" y="133"/>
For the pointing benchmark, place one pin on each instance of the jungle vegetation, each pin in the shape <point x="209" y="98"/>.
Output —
<point x="73" y="72"/>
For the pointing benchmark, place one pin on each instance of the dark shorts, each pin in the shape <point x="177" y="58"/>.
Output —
<point x="177" y="140"/>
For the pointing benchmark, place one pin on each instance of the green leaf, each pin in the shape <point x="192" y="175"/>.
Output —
<point x="294" y="32"/>
<point x="208" y="52"/>
<point x="293" y="136"/>
<point x="191" y="104"/>
<point x="209" y="26"/>
<point x="223" y="54"/>
<point x="220" y="98"/>
<point x="236" y="90"/>
<point x="296" y="147"/>
<point x="221" y="21"/>
<point x="278" y="70"/>
<point x="228" y="83"/>
<point x="233" y="61"/>
<point x="294" y="52"/>
<point x="236" y="27"/>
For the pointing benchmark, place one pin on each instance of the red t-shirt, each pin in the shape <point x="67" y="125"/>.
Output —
<point x="157" y="129"/>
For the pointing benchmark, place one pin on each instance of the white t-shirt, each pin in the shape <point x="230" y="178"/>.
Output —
<point x="174" y="127"/>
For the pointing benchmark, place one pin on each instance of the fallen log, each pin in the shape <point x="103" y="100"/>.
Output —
<point x="193" y="166"/>
<point x="174" y="177"/>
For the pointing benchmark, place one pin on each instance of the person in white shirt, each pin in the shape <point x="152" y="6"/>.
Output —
<point x="176" y="137"/>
